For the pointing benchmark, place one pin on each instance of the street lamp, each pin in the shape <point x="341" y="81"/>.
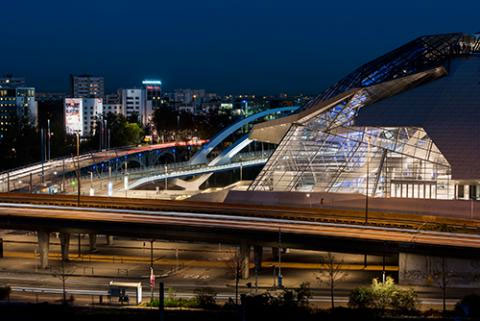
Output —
<point x="110" y="185"/>
<point x="91" y="192"/>
<point x="78" y="167"/>
<point x="309" y="200"/>
<point x="49" y="134"/>
<point x="241" y="169"/>
<point x="125" y="179"/>
<point x="280" y="277"/>
<point x="166" y="177"/>
<point x="367" y="158"/>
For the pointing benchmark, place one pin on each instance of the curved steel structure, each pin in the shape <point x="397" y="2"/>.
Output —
<point x="201" y="156"/>
<point x="218" y="164"/>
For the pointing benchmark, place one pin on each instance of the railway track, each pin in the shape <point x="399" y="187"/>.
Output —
<point x="332" y="215"/>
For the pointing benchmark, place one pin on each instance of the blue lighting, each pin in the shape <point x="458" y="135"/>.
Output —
<point x="151" y="82"/>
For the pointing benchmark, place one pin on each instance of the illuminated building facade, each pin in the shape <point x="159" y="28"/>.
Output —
<point x="87" y="86"/>
<point x="403" y="125"/>
<point x="16" y="103"/>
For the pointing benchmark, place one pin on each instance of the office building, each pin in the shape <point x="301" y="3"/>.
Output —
<point x="133" y="102"/>
<point x="16" y="103"/>
<point x="81" y="115"/>
<point x="153" y="93"/>
<point x="86" y="86"/>
<point x="113" y="104"/>
<point x="8" y="81"/>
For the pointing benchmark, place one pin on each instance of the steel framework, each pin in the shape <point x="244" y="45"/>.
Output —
<point x="329" y="152"/>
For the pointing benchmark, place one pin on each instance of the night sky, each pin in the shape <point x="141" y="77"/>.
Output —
<point x="225" y="46"/>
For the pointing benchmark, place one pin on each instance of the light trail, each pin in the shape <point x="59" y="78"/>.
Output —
<point x="245" y="223"/>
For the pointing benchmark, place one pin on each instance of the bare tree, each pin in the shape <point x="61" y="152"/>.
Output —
<point x="234" y="264"/>
<point x="333" y="273"/>
<point x="436" y="272"/>
<point x="63" y="272"/>
<point x="442" y="277"/>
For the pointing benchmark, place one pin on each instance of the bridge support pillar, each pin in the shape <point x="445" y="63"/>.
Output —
<point x="43" y="246"/>
<point x="65" y="245"/>
<point x="92" y="237"/>
<point x="275" y="253"/>
<point x="257" y="257"/>
<point x="109" y="239"/>
<point x="245" y="259"/>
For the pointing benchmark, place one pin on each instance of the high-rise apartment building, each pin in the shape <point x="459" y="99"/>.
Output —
<point x="81" y="115"/>
<point x="16" y="103"/>
<point x="8" y="81"/>
<point x="87" y="86"/>
<point x="113" y="104"/>
<point x="133" y="101"/>
<point x="153" y="92"/>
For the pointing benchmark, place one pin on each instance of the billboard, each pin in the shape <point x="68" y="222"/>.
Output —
<point x="73" y="115"/>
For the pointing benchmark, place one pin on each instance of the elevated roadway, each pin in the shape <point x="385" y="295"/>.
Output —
<point x="39" y="173"/>
<point x="327" y="229"/>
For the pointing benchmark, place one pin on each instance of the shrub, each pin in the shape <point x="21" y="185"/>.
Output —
<point x="303" y="294"/>
<point x="206" y="297"/>
<point x="469" y="306"/>
<point x="5" y="292"/>
<point x="383" y="296"/>
<point x="361" y="298"/>
<point x="404" y="300"/>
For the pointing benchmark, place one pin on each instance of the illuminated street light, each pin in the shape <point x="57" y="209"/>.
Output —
<point x="309" y="200"/>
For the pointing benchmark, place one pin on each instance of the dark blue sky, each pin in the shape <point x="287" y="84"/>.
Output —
<point x="226" y="46"/>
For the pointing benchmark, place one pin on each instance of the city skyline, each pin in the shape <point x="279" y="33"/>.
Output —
<point x="234" y="47"/>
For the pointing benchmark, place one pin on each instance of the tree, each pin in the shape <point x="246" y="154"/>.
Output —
<point x="5" y="292"/>
<point x="134" y="118"/>
<point x="206" y="297"/>
<point x="19" y="144"/>
<point x="63" y="272"/>
<point x="333" y="273"/>
<point x="234" y="264"/>
<point x="436" y="272"/>
<point x="122" y="132"/>
<point x="442" y="276"/>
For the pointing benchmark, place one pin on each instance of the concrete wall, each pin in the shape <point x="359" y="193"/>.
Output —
<point x="415" y="269"/>
<point x="454" y="208"/>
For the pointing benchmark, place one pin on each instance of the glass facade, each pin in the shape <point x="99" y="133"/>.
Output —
<point x="329" y="151"/>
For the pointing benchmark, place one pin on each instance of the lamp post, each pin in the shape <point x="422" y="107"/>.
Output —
<point x="309" y="200"/>
<point x="110" y="185"/>
<point x="78" y="168"/>
<point x="125" y="179"/>
<point x="49" y="141"/>
<point x="367" y="158"/>
<point x="166" y="177"/>
<point x="241" y="169"/>
<point x="91" y="192"/>
<point x="367" y="191"/>
<point x="280" y="277"/>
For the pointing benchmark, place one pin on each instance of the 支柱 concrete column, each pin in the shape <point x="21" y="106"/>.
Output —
<point x="258" y="256"/>
<point x="92" y="237"/>
<point x="43" y="246"/>
<point x="245" y="259"/>
<point x="109" y="239"/>
<point x="65" y="245"/>
<point x="275" y="253"/>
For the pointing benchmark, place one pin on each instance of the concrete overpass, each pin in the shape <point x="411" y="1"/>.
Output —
<point x="244" y="225"/>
